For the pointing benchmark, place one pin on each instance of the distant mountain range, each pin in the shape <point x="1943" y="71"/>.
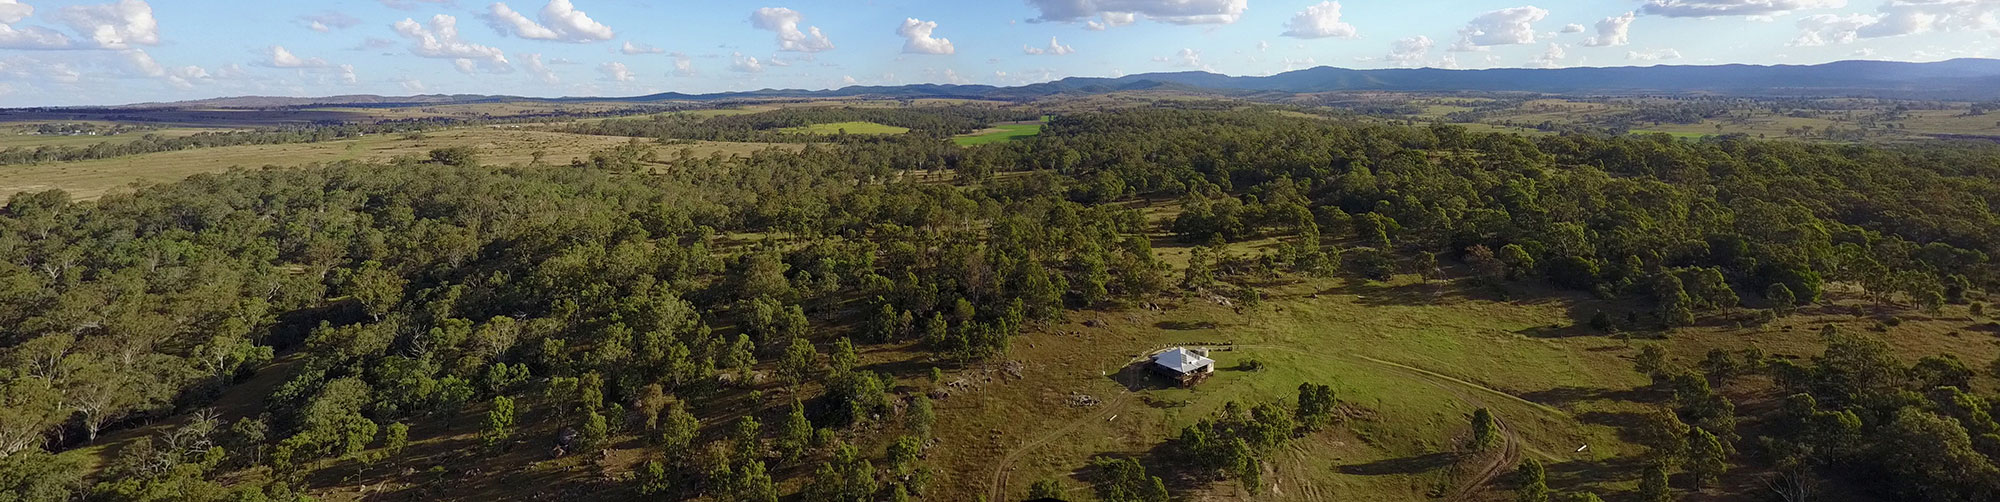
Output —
<point x="1961" y="79"/>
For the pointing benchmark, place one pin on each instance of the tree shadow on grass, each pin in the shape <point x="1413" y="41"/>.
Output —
<point x="1406" y="465"/>
<point x="1559" y="331"/>
<point x="907" y="368"/>
<point x="1628" y="320"/>
<point x="1569" y="394"/>
<point x="1579" y="307"/>
<point x="1626" y="422"/>
<point x="1990" y="328"/>
<point x="1374" y="294"/>
<point x="1575" y="473"/>
<point x="1184" y="325"/>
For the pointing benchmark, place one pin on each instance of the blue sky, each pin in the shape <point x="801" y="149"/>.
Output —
<point x="74" y="52"/>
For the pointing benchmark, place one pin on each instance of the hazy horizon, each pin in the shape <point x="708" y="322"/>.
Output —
<point x="84" y="52"/>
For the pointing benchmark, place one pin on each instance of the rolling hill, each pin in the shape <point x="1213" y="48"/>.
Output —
<point x="1959" y="79"/>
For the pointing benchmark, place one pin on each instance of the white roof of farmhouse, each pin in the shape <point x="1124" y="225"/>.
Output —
<point x="1181" y="360"/>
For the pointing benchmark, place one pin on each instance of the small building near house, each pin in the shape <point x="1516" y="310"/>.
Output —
<point x="1189" y="367"/>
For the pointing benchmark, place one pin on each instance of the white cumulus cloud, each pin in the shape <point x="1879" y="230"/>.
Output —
<point x="139" y="63"/>
<point x="1186" y="58"/>
<point x="328" y="21"/>
<point x="785" y="22"/>
<point x="917" y="38"/>
<point x="26" y="37"/>
<point x="1653" y="55"/>
<point x="533" y="63"/>
<point x="440" y="41"/>
<point x="617" y="72"/>
<point x="1501" y="27"/>
<point x="1719" y="8"/>
<point x="1551" y="58"/>
<point x="559" y="21"/>
<point x="13" y="11"/>
<point x="1613" y="31"/>
<point x="1110" y="20"/>
<point x="683" y="65"/>
<point x="1901" y="17"/>
<point x="1826" y="29"/>
<point x="1319" y="21"/>
<point x="631" y="48"/>
<point x="745" y="64"/>
<point x="283" y="58"/>
<point x="1055" y="48"/>
<point x="1410" y="52"/>
<point x="1117" y="12"/>
<point x="118" y="25"/>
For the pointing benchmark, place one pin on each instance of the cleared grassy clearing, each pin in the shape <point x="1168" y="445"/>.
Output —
<point x="999" y="134"/>
<point x="846" y="128"/>
<point x="1298" y="338"/>
<point x="1558" y="385"/>
<point x="1439" y="111"/>
<point x="1952" y="122"/>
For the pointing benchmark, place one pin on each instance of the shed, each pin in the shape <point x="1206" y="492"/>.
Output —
<point x="1189" y="367"/>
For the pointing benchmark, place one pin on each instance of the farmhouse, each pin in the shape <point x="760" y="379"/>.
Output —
<point x="1188" y="367"/>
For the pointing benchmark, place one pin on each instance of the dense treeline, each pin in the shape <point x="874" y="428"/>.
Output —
<point x="1856" y="415"/>
<point x="303" y="133"/>
<point x="1674" y="113"/>
<point x="154" y="143"/>
<point x="85" y="128"/>
<point x="448" y="290"/>
<point x="1604" y="214"/>
<point x="929" y="122"/>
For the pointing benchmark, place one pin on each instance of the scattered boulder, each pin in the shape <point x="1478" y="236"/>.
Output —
<point x="1080" y="400"/>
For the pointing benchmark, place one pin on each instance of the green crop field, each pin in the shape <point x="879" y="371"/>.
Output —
<point x="999" y="134"/>
<point x="847" y="127"/>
